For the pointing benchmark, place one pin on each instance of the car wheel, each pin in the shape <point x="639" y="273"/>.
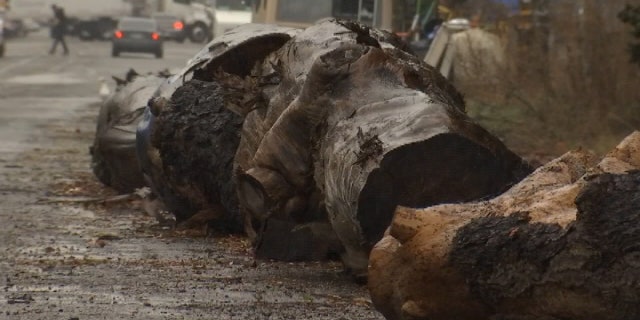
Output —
<point x="198" y="33"/>
<point x="1" y="50"/>
<point x="115" y="52"/>
<point x="159" y="54"/>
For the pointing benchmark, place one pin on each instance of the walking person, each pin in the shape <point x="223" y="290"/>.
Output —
<point x="58" y="29"/>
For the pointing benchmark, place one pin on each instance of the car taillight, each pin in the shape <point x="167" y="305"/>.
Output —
<point x="178" y="25"/>
<point x="155" y="36"/>
<point x="118" y="34"/>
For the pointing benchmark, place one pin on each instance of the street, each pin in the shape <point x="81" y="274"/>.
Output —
<point x="95" y="260"/>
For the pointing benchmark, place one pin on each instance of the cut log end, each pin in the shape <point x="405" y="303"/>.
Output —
<point x="505" y="263"/>
<point x="263" y="192"/>
<point x="447" y="168"/>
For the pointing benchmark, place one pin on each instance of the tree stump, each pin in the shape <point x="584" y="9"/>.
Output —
<point x="561" y="244"/>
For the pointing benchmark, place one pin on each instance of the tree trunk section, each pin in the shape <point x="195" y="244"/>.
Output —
<point x="561" y="244"/>
<point x="339" y="125"/>
<point x="368" y="127"/>
<point x="197" y="137"/>
<point x="191" y="130"/>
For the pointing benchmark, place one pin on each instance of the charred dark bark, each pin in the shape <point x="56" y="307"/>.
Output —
<point x="594" y="264"/>
<point x="562" y="244"/>
<point x="197" y="137"/>
<point x="190" y="133"/>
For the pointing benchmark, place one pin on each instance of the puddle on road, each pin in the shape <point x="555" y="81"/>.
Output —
<point x="46" y="78"/>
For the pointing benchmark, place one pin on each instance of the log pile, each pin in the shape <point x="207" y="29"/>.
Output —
<point x="335" y="140"/>
<point x="320" y="133"/>
<point x="561" y="244"/>
<point x="337" y="124"/>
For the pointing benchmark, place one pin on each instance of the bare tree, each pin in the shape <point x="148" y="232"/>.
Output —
<point x="567" y="82"/>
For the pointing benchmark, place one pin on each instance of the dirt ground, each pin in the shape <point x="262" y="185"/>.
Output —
<point x="72" y="260"/>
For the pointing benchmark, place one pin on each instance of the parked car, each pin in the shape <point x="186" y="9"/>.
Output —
<point x="170" y="27"/>
<point x="134" y="34"/>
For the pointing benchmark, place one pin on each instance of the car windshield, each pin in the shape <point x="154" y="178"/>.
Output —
<point x="137" y="24"/>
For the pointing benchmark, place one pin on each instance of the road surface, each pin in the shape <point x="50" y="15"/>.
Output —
<point x="111" y="261"/>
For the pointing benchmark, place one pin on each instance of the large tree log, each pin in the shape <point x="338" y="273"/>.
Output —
<point x="355" y="127"/>
<point x="191" y="129"/>
<point x="113" y="153"/>
<point x="197" y="137"/>
<point x="561" y="244"/>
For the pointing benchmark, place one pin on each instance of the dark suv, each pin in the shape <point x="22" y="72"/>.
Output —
<point x="135" y="34"/>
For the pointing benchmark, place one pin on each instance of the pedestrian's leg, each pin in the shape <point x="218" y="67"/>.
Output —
<point x="53" y="46"/>
<point x="64" y="46"/>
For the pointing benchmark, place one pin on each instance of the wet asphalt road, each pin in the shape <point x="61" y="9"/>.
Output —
<point x="97" y="261"/>
<point x="34" y="84"/>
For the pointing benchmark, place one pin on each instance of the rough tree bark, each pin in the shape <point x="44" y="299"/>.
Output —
<point x="113" y="153"/>
<point x="191" y="129"/>
<point x="561" y="244"/>
<point x="198" y="156"/>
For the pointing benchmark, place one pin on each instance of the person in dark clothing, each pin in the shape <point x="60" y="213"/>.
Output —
<point x="58" y="29"/>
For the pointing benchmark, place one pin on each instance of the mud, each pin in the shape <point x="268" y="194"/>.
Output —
<point x="95" y="261"/>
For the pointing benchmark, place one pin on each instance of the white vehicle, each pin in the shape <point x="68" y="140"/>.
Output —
<point x="96" y="19"/>
<point x="199" y="19"/>
<point x="230" y="14"/>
